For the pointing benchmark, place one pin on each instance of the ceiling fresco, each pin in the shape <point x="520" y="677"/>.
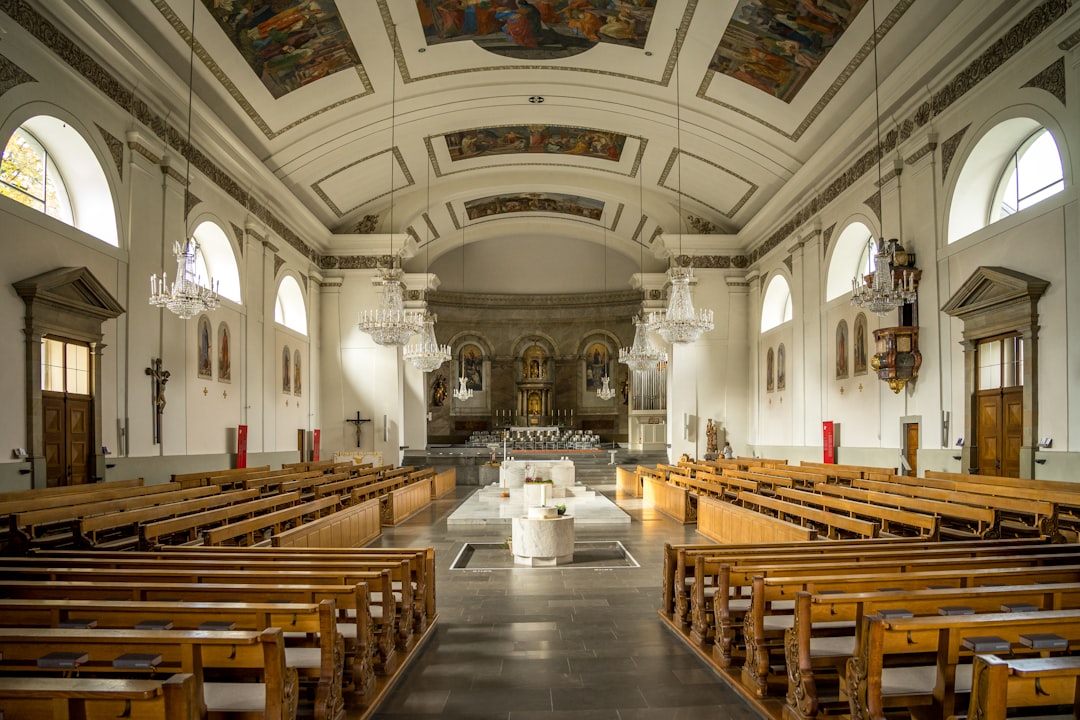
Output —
<point x="534" y="202"/>
<point x="287" y="43"/>
<point x="536" y="139"/>
<point x="537" y="29"/>
<point x="775" y="45"/>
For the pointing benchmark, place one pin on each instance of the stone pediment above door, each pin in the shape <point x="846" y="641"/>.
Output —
<point x="68" y="299"/>
<point x="996" y="299"/>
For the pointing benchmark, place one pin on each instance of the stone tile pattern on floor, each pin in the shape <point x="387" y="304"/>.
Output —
<point x="551" y="644"/>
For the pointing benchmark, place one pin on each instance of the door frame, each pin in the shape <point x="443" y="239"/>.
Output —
<point x="998" y="301"/>
<point x="68" y="303"/>
<point x="906" y="420"/>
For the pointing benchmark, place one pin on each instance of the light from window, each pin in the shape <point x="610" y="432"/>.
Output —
<point x="289" y="309"/>
<point x="65" y="367"/>
<point x="29" y="175"/>
<point x="776" y="307"/>
<point x="1032" y="174"/>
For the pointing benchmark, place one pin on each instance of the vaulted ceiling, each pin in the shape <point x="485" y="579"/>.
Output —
<point x="556" y="117"/>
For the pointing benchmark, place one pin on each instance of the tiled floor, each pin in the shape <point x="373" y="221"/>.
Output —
<point x="554" y="644"/>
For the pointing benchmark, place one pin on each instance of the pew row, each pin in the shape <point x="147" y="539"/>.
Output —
<point x="63" y="698"/>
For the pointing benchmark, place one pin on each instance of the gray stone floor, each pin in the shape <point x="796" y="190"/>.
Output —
<point x="554" y="644"/>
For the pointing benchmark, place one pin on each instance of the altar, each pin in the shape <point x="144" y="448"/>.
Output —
<point x="512" y="473"/>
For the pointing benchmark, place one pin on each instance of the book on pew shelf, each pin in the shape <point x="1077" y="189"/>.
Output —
<point x="955" y="610"/>
<point x="137" y="661"/>
<point x="154" y="625"/>
<point x="893" y="613"/>
<point x="62" y="659"/>
<point x="78" y="624"/>
<point x="1019" y="607"/>
<point x="218" y="625"/>
<point x="1044" y="641"/>
<point x="986" y="644"/>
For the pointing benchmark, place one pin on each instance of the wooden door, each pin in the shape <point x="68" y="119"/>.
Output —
<point x="1012" y="406"/>
<point x="1000" y="432"/>
<point x="911" y="447"/>
<point x="68" y="439"/>
<point x="989" y="432"/>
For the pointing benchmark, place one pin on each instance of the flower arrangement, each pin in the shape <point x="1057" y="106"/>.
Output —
<point x="561" y="509"/>
<point x="536" y="481"/>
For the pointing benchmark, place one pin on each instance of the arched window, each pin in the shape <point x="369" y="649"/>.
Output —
<point x="216" y="260"/>
<point x="1014" y="166"/>
<point x="289" y="308"/>
<point x="1033" y="173"/>
<point x="851" y="256"/>
<point x="776" y="307"/>
<point x="48" y="166"/>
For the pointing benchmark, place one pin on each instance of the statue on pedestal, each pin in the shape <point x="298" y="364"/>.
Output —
<point x="710" y="439"/>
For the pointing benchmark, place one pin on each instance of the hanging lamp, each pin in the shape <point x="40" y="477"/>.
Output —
<point x="680" y="322"/>
<point x="879" y="292"/>
<point x="391" y="324"/>
<point x="642" y="354"/>
<point x="605" y="391"/>
<point x="187" y="296"/>
<point x="463" y="391"/>
<point x="427" y="355"/>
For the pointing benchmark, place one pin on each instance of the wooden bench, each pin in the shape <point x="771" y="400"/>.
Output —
<point x="760" y="478"/>
<point x="890" y="520"/>
<point x="826" y="523"/>
<point x="196" y="479"/>
<point x="325" y="466"/>
<point x="124" y="526"/>
<point x="59" y="698"/>
<point x="26" y="500"/>
<point x="367" y="649"/>
<point x="671" y="500"/>
<point x="402" y="503"/>
<point x="932" y="689"/>
<point x="322" y="662"/>
<point x="354" y="526"/>
<point x="805" y="652"/>
<point x="999" y="684"/>
<point x="274" y="522"/>
<point x="189" y="528"/>
<point x="181" y="651"/>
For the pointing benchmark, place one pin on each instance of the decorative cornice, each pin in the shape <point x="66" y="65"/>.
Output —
<point x="714" y="262"/>
<point x="585" y="300"/>
<point x="826" y="237"/>
<point x="1051" y="79"/>
<point x="1003" y="49"/>
<point x="948" y="150"/>
<point x="1070" y="42"/>
<point x="116" y="148"/>
<point x="874" y="203"/>
<point x="354" y="262"/>
<point x="169" y="170"/>
<point x="141" y="149"/>
<point x="920" y="153"/>
<point x="11" y="75"/>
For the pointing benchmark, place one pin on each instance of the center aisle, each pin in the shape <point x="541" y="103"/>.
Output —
<point x="554" y="644"/>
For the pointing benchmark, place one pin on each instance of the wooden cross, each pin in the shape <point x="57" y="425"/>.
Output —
<point x="358" y="421"/>
<point x="160" y="378"/>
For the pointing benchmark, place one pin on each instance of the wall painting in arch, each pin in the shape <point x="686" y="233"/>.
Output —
<point x="775" y="45"/>
<point x="287" y="43"/>
<point x="286" y="370"/>
<point x="534" y="139"/>
<point x="537" y="202"/>
<point x="224" y="367"/>
<point x="770" y="364"/>
<point x="205" y="366"/>
<point x="471" y="362"/>
<point x="537" y="29"/>
<point x="296" y="387"/>
<point x="841" y="350"/>
<point x="859" y="364"/>
<point x="781" y="369"/>
<point x="597" y="357"/>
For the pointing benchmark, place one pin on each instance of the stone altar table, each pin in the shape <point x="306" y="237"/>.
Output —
<point x="543" y="541"/>
<point x="512" y="472"/>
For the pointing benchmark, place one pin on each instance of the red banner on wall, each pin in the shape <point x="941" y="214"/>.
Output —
<point x="241" y="446"/>
<point x="315" y="438"/>
<point x="828" y="439"/>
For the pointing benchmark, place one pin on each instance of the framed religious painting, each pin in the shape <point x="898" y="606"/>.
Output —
<point x="781" y="367"/>
<point x="224" y="360"/>
<point x="297" y="374"/>
<point x="770" y="369"/>
<point x="841" y="350"/>
<point x="859" y="350"/>
<point x="205" y="344"/>
<point x="286" y="370"/>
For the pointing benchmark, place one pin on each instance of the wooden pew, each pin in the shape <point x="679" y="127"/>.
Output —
<point x="323" y="663"/>
<point x="62" y="698"/>
<point x="932" y="689"/>
<point x="26" y="500"/>
<point x="761" y="478"/>
<point x="202" y="477"/>
<point x="828" y="523"/>
<point x="402" y="503"/>
<point x="673" y="501"/>
<point x="354" y="526"/>
<point x="887" y="518"/>
<point x="68" y="490"/>
<point x="188" y="528"/>
<point x="89" y="531"/>
<point x="181" y="651"/>
<point x="366" y="650"/>
<point x="805" y="652"/>
<point x="997" y="684"/>
<point x="324" y="466"/>
<point x="443" y="483"/>
<point x="627" y="483"/>
<point x="246" y="530"/>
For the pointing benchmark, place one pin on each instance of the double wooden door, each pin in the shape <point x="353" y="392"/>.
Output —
<point x="69" y="440"/>
<point x="1000" y="432"/>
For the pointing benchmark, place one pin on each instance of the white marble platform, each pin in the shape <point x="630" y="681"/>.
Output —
<point x="543" y="542"/>
<point x="512" y="473"/>
<point x="487" y="506"/>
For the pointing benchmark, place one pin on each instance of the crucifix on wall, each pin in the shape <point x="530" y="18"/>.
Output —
<point x="158" y="394"/>
<point x="357" y="421"/>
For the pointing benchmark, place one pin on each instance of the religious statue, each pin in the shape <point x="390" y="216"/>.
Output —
<point x="438" y="390"/>
<point x="710" y="437"/>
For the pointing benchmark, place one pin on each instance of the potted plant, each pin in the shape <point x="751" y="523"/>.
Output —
<point x="561" y="509"/>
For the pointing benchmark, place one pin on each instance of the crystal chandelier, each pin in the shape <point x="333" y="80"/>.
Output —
<point x="463" y="391"/>
<point x="681" y="323"/>
<point x="879" y="292"/>
<point x="187" y="296"/>
<point x="391" y="323"/>
<point x="428" y="354"/>
<point x="643" y="355"/>
<point x="606" y="392"/>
